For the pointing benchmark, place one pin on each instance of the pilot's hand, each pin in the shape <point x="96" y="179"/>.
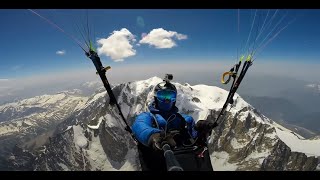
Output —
<point x="155" y="141"/>
<point x="205" y="126"/>
<point x="168" y="139"/>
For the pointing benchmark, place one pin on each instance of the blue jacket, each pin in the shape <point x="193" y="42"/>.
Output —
<point x="144" y="127"/>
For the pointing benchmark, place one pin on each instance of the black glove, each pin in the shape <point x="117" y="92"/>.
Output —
<point x="204" y="129"/>
<point x="205" y="126"/>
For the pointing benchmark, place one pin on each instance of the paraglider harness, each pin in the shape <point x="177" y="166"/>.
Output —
<point x="199" y="146"/>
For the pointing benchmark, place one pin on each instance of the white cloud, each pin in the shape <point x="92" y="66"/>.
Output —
<point x="181" y="36"/>
<point x="118" y="45"/>
<point x="61" y="52"/>
<point x="160" y="38"/>
<point x="4" y="80"/>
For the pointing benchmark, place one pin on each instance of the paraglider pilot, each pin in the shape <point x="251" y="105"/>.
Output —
<point x="163" y="124"/>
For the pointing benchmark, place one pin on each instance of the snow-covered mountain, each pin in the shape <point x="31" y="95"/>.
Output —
<point x="93" y="137"/>
<point x="29" y="122"/>
<point x="91" y="87"/>
<point x="315" y="87"/>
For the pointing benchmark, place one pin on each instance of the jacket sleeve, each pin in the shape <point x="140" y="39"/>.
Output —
<point x="190" y="124"/>
<point x="142" y="127"/>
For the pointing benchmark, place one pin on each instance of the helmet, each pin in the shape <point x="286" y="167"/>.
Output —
<point x="165" y="95"/>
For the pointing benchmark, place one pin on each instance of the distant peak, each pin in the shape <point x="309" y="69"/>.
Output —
<point x="314" y="86"/>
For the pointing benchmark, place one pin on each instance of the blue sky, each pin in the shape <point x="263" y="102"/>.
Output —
<point x="29" y="45"/>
